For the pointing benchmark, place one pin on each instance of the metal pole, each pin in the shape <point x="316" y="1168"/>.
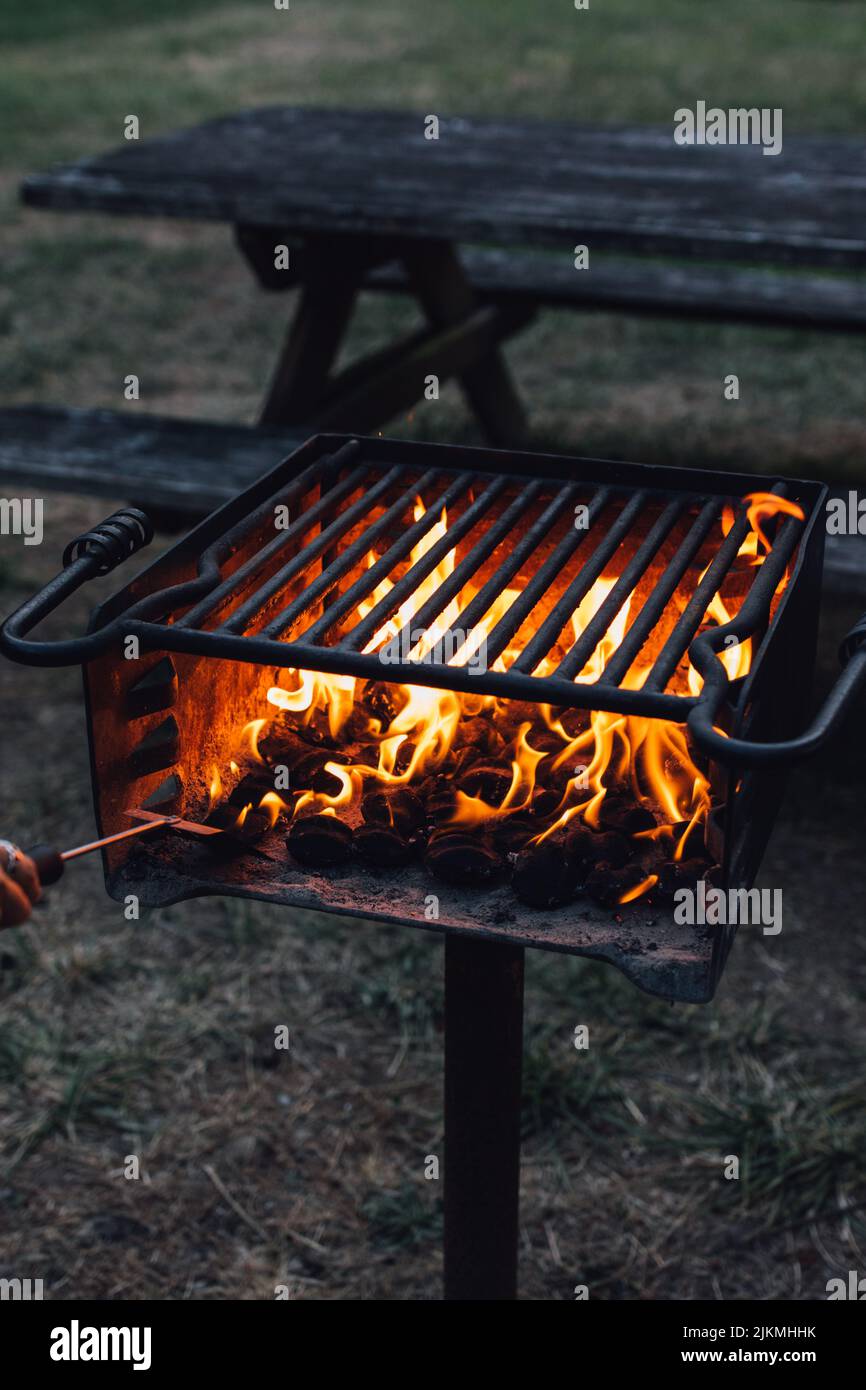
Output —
<point x="483" y="1056"/>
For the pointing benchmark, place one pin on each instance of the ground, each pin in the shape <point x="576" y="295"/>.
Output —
<point x="155" y="1039"/>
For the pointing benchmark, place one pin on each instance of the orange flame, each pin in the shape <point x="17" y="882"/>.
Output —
<point x="273" y="807"/>
<point x="638" y="891"/>
<point x="250" y="738"/>
<point x="215" y="790"/>
<point x="762" y="506"/>
<point x="472" y="810"/>
<point x="737" y="657"/>
<point x="350" y="779"/>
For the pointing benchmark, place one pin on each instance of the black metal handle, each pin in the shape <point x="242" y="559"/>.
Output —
<point x="49" y="864"/>
<point x="93" y="554"/>
<point x="850" y="685"/>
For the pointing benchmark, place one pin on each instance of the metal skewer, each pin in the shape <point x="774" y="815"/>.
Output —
<point x="121" y="835"/>
<point x="50" y="863"/>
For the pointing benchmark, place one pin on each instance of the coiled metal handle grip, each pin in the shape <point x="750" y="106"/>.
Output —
<point x="93" y="554"/>
<point x="113" y="540"/>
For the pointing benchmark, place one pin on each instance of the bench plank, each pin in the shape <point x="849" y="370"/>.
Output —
<point x="722" y="293"/>
<point x="530" y="183"/>
<point x="190" y="466"/>
<point x="193" y="467"/>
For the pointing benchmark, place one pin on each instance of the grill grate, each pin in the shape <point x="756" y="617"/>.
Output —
<point x="527" y="541"/>
<point x="310" y="595"/>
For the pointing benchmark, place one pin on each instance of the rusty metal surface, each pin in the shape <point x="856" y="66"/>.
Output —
<point x="657" y="954"/>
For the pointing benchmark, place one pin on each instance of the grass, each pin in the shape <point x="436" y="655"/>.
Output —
<point x="144" y="297"/>
<point x="798" y="1145"/>
<point x="401" y="1220"/>
<point x="44" y="21"/>
<point x="156" y="1038"/>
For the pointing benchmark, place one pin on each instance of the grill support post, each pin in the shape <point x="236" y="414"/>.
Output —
<point x="483" y="1060"/>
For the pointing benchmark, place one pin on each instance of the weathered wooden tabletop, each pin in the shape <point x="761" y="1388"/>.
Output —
<point x="503" y="182"/>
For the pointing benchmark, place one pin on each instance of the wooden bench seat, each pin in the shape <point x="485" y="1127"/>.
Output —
<point x="184" y="469"/>
<point x="184" y="466"/>
<point x="726" y="294"/>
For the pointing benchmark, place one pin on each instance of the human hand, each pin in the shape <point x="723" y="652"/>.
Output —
<point x="19" y="885"/>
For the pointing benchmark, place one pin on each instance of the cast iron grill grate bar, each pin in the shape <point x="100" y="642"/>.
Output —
<point x="343" y="563"/>
<point x="359" y="636"/>
<point x="576" y="658"/>
<point x="468" y="566"/>
<point x="485" y="598"/>
<point x="597" y="628"/>
<point x="512" y="621"/>
<point x="322" y="471"/>
<point x="548" y="633"/>
<point x="236" y="583"/>
<point x="620" y="661"/>
<point x="300" y="563"/>
<point x="372" y="577"/>
<point x="687" y="627"/>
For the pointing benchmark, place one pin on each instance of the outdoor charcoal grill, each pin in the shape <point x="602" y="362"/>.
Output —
<point x="648" y="619"/>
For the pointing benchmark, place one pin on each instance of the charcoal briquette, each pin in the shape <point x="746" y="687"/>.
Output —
<point x="606" y="884"/>
<point x="611" y="848"/>
<point x="463" y="858"/>
<point x="325" y="782"/>
<point x="440" y="800"/>
<point x="624" y="814"/>
<point x="582" y="846"/>
<point x="546" y="801"/>
<point x="397" y="807"/>
<point x="382" y="846"/>
<point x="251" y="788"/>
<point x="254" y="826"/>
<point x="480" y="735"/>
<point x="510" y="833"/>
<point x="684" y="873"/>
<point x="319" y="841"/>
<point x="488" y="780"/>
<point x="545" y="875"/>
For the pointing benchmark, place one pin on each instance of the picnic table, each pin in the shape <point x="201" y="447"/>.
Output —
<point x="479" y="226"/>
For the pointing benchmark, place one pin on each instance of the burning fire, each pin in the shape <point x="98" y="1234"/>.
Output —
<point x="410" y="739"/>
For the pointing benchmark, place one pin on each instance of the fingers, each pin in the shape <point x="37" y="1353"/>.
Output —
<point x="19" y="890"/>
<point x="15" y="903"/>
<point x="25" y="876"/>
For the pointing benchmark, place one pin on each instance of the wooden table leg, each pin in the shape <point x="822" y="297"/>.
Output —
<point x="462" y="338"/>
<point x="302" y="373"/>
<point x="447" y="298"/>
